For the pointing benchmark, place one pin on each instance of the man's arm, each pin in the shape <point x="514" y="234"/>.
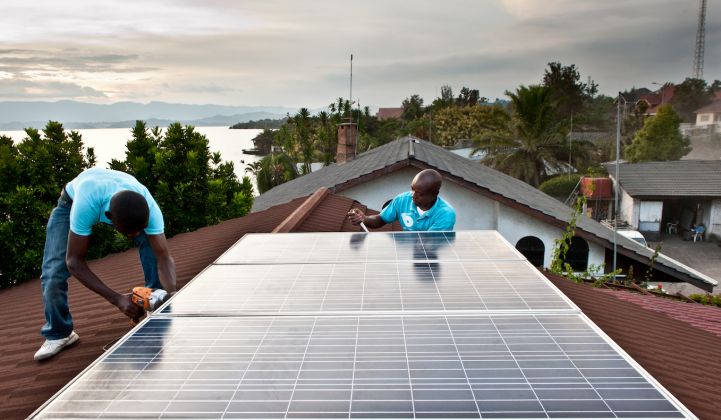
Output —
<point x="75" y="258"/>
<point x="374" y="222"/>
<point x="166" y="264"/>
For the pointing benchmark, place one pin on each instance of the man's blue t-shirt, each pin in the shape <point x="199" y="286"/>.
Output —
<point x="91" y="192"/>
<point x="439" y="217"/>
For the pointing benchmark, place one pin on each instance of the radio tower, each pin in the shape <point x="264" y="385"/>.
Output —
<point x="700" y="42"/>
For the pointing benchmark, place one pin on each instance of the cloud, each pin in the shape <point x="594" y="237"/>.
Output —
<point x="28" y="89"/>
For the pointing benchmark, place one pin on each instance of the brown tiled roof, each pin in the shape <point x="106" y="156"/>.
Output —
<point x="387" y="113"/>
<point x="26" y="384"/>
<point x="682" y="357"/>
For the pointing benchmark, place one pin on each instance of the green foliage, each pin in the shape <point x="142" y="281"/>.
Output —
<point x="560" y="186"/>
<point x="192" y="186"/>
<point x="451" y="124"/>
<point x="561" y="245"/>
<point x="713" y="300"/>
<point x="412" y="108"/>
<point x="559" y="265"/>
<point x="689" y="96"/>
<point x="649" y="271"/>
<point x="264" y="141"/>
<point x="33" y="173"/>
<point x="567" y="91"/>
<point x="531" y="142"/>
<point x="660" y="139"/>
<point x="274" y="170"/>
<point x="265" y="124"/>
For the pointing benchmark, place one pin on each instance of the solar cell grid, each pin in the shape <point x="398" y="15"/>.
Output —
<point x="427" y="366"/>
<point x="382" y="325"/>
<point x="394" y="286"/>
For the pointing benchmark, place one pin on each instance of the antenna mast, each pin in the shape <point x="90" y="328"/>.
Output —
<point x="700" y="42"/>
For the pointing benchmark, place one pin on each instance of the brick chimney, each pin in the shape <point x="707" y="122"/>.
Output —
<point x="347" y="133"/>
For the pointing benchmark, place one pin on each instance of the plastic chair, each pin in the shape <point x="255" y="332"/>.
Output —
<point x="672" y="228"/>
<point x="698" y="232"/>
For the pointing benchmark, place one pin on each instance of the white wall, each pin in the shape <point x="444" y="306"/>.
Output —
<point x="714" y="224"/>
<point x="704" y="119"/>
<point x="628" y="209"/>
<point x="473" y="212"/>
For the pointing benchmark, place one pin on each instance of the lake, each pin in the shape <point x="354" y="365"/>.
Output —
<point x="109" y="143"/>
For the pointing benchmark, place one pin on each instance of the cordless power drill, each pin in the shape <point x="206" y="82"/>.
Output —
<point x="148" y="299"/>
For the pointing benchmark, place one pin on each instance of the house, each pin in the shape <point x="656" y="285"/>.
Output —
<point x="660" y="334"/>
<point x="710" y="115"/>
<point x="484" y="199"/>
<point x="654" y="100"/>
<point x="389" y="113"/>
<point x="660" y="197"/>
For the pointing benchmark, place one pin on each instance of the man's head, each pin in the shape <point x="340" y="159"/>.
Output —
<point x="425" y="187"/>
<point x="129" y="213"/>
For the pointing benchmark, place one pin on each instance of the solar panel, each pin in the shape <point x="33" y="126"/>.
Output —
<point x="440" y="366"/>
<point x="381" y="325"/>
<point x="389" y="286"/>
<point x="307" y="248"/>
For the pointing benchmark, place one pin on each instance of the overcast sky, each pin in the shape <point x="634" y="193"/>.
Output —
<point x="296" y="53"/>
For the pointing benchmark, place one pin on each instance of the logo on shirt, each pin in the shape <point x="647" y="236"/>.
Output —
<point x="407" y="219"/>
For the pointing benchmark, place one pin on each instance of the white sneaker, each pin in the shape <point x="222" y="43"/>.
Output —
<point x="52" y="347"/>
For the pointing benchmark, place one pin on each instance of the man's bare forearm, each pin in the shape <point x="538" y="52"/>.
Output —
<point x="374" y="222"/>
<point x="166" y="273"/>
<point x="81" y="271"/>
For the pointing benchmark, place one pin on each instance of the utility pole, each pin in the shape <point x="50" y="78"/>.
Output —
<point x="700" y="42"/>
<point x="618" y="183"/>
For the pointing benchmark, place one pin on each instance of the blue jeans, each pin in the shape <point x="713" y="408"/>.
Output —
<point x="55" y="274"/>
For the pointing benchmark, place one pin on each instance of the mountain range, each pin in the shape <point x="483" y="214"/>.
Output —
<point x="16" y="115"/>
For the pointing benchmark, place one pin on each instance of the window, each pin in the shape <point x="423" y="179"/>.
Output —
<point x="704" y="118"/>
<point x="533" y="249"/>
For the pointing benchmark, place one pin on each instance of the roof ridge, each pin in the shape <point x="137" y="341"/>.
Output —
<point x="296" y="218"/>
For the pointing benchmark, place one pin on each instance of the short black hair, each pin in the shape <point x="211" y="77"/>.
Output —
<point x="129" y="211"/>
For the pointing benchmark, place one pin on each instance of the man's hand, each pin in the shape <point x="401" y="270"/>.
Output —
<point x="126" y="306"/>
<point x="356" y="216"/>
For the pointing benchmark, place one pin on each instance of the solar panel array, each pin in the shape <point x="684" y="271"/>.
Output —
<point x="430" y="330"/>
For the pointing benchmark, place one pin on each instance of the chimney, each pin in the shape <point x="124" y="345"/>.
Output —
<point x="347" y="133"/>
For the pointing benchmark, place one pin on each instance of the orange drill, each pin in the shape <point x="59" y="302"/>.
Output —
<point x="148" y="299"/>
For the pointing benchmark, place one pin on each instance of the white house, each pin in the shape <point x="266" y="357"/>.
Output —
<point x="484" y="199"/>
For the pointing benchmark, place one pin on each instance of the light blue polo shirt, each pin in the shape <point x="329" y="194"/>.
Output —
<point x="439" y="217"/>
<point x="91" y="192"/>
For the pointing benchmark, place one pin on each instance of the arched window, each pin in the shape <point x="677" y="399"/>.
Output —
<point x="533" y="249"/>
<point x="577" y="255"/>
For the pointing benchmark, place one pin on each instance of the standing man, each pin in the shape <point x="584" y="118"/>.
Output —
<point x="418" y="209"/>
<point x="98" y="196"/>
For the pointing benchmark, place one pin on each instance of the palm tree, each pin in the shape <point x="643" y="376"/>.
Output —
<point x="253" y="168"/>
<point x="533" y="143"/>
<point x="303" y="133"/>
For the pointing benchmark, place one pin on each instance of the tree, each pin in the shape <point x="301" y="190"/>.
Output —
<point x="264" y="141"/>
<point x="33" y="174"/>
<point x="468" y="97"/>
<point x="566" y="89"/>
<point x="193" y="187"/>
<point x="275" y="169"/>
<point x="532" y="141"/>
<point x="303" y="138"/>
<point x="458" y="123"/>
<point x="660" y="139"/>
<point x="689" y="96"/>
<point x="412" y="108"/>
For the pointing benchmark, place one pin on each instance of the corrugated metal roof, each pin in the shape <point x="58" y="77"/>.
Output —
<point x="679" y="178"/>
<point x="414" y="151"/>
<point x="672" y="350"/>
